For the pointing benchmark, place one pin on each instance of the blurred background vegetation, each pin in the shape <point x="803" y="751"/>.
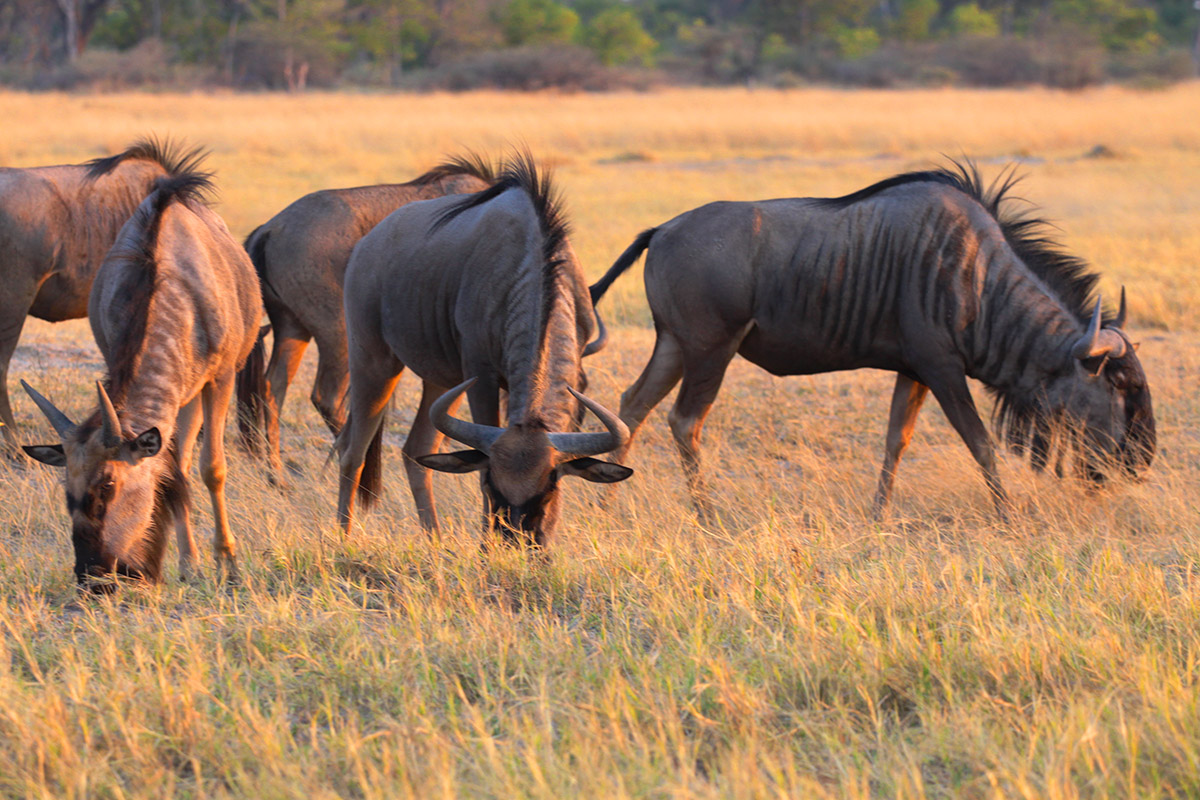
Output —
<point x="592" y="44"/>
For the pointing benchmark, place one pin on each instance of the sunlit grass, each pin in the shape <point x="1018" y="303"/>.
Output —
<point x="796" y="649"/>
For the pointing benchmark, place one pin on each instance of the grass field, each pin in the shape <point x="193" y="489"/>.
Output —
<point x="798" y="649"/>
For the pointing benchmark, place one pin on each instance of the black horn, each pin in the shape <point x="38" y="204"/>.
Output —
<point x="472" y="434"/>
<point x="1097" y="342"/>
<point x="61" y="422"/>
<point x="578" y="445"/>
<point x="109" y="418"/>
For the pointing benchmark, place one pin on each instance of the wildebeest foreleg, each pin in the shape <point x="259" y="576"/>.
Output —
<point x="423" y="439"/>
<point x="12" y="320"/>
<point x="187" y="427"/>
<point x="659" y="377"/>
<point x="286" y="352"/>
<point x="483" y="397"/>
<point x="370" y="390"/>
<point x="213" y="468"/>
<point x="955" y="398"/>
<point x="907" y="399"/>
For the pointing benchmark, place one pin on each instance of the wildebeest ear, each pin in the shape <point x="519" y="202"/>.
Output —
<point x="51" y="454"/>
<point x="147" y="444"/>
<point x="595" y="470"/>
<point x="462" y="461"/>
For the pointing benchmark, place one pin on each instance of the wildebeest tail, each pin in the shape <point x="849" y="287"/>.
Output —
<point x="623" y="262"/>
<point x="370" y="484"/>
<point x="252" y="377"/>
<point x="251" y="384"/>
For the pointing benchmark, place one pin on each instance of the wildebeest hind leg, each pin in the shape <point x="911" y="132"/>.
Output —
<point x="213" y="469"/>
<point x="286" y="352"/>
<point x="907" y="399"/>
<point x="329" y="387"/>
<point x="187" y="427"/>
<point x="662" y="372"/>
<point x="423" y="439"/>
<point x="703" y="372"/>
<point x="955" y="398"/>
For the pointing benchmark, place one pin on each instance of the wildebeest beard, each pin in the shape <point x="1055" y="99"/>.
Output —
<point x="1027" y="424"/>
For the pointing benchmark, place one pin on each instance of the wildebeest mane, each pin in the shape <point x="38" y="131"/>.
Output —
<point x="520" y="171"/>
<point x="140" y="253"/>
<point x="172" y="156"/>
<point x="1066" y="276"/>
<point x="1019" y="419"/>
<point x="469" y="163"/>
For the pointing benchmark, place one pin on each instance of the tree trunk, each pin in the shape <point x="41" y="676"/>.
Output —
<point x="1196" y="46"/>
<point x="231" y="47"/>
<point x="70" y="13"/>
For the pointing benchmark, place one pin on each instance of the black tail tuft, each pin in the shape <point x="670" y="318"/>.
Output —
<point x="370" y="484"/>
<point x="251" y="386"/>
<point x="256" y="247"/>
<point x="623" y="262"/>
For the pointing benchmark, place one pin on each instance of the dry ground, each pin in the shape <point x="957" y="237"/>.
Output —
<point x="796" y="650"/>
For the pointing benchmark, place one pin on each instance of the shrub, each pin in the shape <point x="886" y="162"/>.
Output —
<point x="566" y="67"/>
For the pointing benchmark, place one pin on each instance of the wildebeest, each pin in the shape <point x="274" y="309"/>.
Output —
<point x="175" y="309"/>
<point x="56" y="226"/>
<point x="924" y="274"/>
<point x="481" y="293"/>
<point x="300" y="255"/>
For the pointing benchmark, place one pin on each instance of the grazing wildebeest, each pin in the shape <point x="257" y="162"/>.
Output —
<point x="482" y="293"/>
<point x="56" y="226"/>
<point x="300" y="255"/>
<point x="923" y="274"/>
<point x="175" y="309"/>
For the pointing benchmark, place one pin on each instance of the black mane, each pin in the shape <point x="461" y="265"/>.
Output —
<point x="172" y="156"/>
<point x="1068" y="277"/>
<point x="189" y="187"/>
<point x="470" y="163"/>
<point x="520" y="171"/>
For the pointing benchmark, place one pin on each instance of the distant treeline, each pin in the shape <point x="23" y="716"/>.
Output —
<point x="591" y="44"/>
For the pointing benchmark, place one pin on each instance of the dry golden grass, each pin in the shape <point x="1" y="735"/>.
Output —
<point x="796" y="650"/>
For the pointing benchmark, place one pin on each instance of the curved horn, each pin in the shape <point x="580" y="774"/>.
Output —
<point x="112" y="423"/>
<point x="61" y="422"/>
<point x="1096" y="342"/>
<point x="472" y="434"/>
<point x="1086" y="345"/>
<point x="597" y="344"/>
<point x="1119" y="322"/>
<point x="578" y="445"/>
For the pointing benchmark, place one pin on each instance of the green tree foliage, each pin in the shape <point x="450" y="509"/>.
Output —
<point x="531" y="22"/>
<point x="1121" y="25"/>
<point x="285" y="42"/>
<point x="617" y="37"/>
<point x="969" y="19"/>
<point x="915" y="19"/>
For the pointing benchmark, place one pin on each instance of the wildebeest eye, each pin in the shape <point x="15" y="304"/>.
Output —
<point x="1119" y="379"/>
<point x="105" y="490"/>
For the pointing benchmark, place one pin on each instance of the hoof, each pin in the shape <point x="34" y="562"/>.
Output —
<point x="227" y="571"/>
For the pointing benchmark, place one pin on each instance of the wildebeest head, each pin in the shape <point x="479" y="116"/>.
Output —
<point x="522" y="464"/>
<point x="1101" y="401"/>
<point x="112" y="487"/>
